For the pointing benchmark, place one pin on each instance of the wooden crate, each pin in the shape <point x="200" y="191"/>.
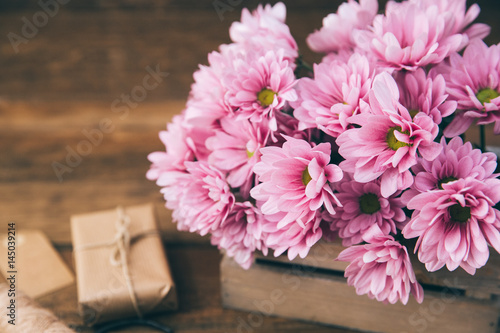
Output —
<point x="314" y="289"/>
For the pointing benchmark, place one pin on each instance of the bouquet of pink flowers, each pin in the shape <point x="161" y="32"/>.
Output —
<point x="365" y="146"/>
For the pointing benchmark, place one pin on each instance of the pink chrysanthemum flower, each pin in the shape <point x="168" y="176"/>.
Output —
<point x="262" y="86"/>
<point x="455" y="225"/>
<point x="294" y="238"/>
<point x="420" y="93"/>
<point x="381" y="269"/>
<point x="207" y="99"/>
<point x="414" y="34"/>
<point x="235" y="149"/>
<point x="295" y="179"/>
<point x="177" y="151"/>
<point x="265" y="29"/>
<point x="183" y="143"/>
<point x="457" y="161"/>
<point x="336" y="32"/>
<point x="200" y="198"/>
<point x="241" y="234"/>
<point x="362" y="207"/>
<point x="388" y="140"/>
<point x="343" y="57"/>
<point x="336" y="93"/>
<point x="474" y="82"/>
<point x="458" y="18"/>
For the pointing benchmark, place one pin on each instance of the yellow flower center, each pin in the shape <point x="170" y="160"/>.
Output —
<point x="266" y="97"/>
<point x="306" y="177"/>
<point x="391" y="140"/>
<point x="250" y="153"/>
<point x="486" y="95"/>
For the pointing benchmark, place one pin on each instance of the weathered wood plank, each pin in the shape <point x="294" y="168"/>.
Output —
<point x="101" y="55"/>
<point x="113" y="173"/>
<point x="324" y="298"/>
<point x="34" y="136"/>
<point x="192" y="5"/>
<point x="48" y="206"/>
<point x="322" y="255"/>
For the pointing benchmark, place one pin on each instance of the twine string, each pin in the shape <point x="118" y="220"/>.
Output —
<point x="122" y="248"/>
<point x="120" y="253"/>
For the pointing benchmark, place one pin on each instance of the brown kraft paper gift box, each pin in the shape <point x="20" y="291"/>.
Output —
<point x="120" y="264"/>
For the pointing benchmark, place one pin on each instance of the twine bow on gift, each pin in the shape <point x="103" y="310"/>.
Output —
<point x="120" y="252"/>
<point x="119" y="255"/>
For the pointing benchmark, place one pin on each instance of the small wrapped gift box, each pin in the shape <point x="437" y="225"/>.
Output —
<point x="120" y="263"/>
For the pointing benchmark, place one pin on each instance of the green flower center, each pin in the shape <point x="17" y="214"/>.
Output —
<point x="446" y="180"/>
<point x="266" y="97"/>
<point x="413" y="113"/>
<point x="306" y="177"/>
<point x="368" y="203"/>
<point x="394" y="143"/>
<point x="250" y="153"/>
<point x="459" y="213"/>
<point x="486" y="95"/>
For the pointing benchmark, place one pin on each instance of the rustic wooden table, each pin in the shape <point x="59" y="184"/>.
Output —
<point x="64" y="78"/>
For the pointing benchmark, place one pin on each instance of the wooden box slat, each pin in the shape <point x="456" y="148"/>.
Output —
<point x="486" y="279"/>
<point x="321" y="256"/>
<point x="314" y="289"/>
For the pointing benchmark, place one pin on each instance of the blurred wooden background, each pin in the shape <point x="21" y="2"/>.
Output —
<point x="64" y="80"/>
<point x="96" y="50"/>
